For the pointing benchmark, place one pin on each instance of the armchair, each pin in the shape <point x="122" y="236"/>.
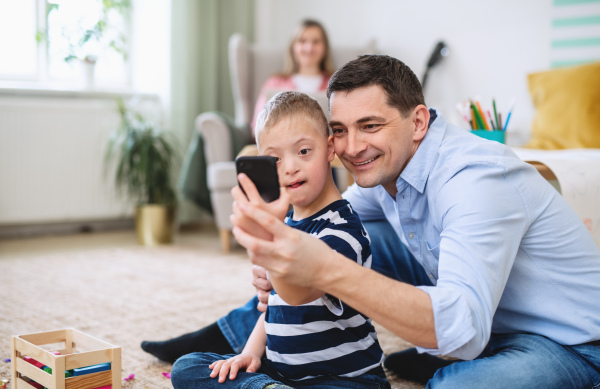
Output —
<point x="249" y="67"/>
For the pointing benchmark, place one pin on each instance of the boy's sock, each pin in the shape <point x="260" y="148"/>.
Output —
<point x="207" y="339"/>
<point x="410" y="365"/>
<point x="277" y="386"/>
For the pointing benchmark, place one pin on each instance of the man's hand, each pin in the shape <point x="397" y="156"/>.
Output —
<point x="277" y="208"/>
<point x="243" y="361"/>
<point x="263" y="287"/>
<point x="292" y="256"/>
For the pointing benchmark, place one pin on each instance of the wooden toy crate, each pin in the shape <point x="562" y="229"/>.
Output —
<point x="76" y="350"/>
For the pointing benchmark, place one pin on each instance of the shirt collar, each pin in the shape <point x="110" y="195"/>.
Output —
<point x="417" y="171"/>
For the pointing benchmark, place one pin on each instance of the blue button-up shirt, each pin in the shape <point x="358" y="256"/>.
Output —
<point x="504" y="251"/>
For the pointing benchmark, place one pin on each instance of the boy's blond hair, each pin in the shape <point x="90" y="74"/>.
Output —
<point x="286" y="104"/>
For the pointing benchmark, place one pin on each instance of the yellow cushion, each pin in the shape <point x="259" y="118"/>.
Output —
<point x="567" y="103"/>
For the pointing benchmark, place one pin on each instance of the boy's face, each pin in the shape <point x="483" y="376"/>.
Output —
<point x="303" y="154"/>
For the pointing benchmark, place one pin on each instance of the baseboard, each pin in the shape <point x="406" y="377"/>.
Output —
<point x="16" y="231"/>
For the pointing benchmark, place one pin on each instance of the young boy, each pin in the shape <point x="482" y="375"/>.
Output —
<point x="311" y="339"/>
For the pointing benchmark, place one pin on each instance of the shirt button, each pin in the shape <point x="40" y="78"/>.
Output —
<point x="411" y="235"/>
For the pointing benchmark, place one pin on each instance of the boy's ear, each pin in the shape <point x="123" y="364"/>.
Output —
<point x="330" y="150"/>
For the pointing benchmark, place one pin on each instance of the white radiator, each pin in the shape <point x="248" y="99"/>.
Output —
<point x="52" y="160"/>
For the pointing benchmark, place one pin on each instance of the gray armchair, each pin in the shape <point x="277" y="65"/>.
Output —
<point x="249" y="67"/>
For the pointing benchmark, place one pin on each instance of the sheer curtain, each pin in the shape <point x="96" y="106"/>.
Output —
<point x="199" y="68"/>
<point x="200" y="30"/>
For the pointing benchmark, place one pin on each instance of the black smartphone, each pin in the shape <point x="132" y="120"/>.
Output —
<point x="262" y="170"/>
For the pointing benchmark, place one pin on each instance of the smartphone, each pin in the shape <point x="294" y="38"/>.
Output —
<point x="262" y="170"/>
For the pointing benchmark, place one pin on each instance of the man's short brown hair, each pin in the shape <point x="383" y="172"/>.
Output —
<point x="287" y="104"/>
<point x="403" y="89"/>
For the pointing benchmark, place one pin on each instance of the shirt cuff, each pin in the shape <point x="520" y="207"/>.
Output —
<point x="453" y="321"/>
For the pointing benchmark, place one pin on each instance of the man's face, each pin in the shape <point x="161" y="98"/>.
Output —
<point x="372" y="139"/>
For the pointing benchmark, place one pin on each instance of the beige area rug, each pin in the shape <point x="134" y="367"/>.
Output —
<point x="105" y="285"/>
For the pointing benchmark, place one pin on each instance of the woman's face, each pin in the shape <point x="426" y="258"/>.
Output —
<point x="309" y="49"/>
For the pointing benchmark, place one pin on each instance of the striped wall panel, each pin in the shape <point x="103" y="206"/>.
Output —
<point x="575" y="32"/>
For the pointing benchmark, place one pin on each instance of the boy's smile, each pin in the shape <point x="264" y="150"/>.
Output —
<point x="296" y="184"/>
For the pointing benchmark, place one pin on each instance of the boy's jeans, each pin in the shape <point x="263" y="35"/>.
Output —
<point x="191" y="372"/>
<point x="528" y="360"/>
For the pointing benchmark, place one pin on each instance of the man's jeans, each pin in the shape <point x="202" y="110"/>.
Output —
<point x="191" y="372"/>
<point x="509" y="360"/>
<point x="524" y="361"/>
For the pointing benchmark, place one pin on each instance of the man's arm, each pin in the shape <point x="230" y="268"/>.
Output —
<point x="300" y="259"/>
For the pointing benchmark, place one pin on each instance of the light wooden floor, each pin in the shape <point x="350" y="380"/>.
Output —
<point x="201" y="237"/>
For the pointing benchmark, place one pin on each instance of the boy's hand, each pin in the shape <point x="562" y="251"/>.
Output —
<point x="263" y="287"/>
<point x="243" y="361"/>
<point x="277" y="208"/>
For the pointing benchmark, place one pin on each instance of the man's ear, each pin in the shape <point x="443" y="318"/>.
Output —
<point x="330" y="150"/>
<point x="420" y="117"/>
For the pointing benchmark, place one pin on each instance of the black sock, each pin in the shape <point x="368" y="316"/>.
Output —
<point x="411" y="365"/>
<point x="208" y="339"/>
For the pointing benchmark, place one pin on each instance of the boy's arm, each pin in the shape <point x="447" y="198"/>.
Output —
<point x="294" y="294"/>
<point x="249" y="359"/>
<point x="257" y="342"/>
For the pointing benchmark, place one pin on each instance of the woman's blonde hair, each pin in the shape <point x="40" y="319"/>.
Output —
<point x="291" y="65"/>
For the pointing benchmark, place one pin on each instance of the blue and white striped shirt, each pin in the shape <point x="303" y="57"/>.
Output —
<point x="326" y="336"/>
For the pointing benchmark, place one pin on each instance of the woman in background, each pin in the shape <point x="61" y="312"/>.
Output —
<point x="308" y="67"/>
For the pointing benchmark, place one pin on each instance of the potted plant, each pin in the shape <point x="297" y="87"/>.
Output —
<point x="144" y="157"/>
<point x="85" y="31"/>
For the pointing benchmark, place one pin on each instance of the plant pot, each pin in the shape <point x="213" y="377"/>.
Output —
<point x="154" y="224"/>
<point x="88" y="70"/>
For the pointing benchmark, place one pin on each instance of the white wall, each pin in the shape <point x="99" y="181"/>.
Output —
<point x="493" y="45"/>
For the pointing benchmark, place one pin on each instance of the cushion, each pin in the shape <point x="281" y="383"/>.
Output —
<point x="567" y="103"/>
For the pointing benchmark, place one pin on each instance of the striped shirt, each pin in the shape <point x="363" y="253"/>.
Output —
<point x="326" y="336"/>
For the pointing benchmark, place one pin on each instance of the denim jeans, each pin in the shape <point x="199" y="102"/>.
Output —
<point x="191" y="372"/>
<point x="524" y="361"/>
<point x="390" y="257"/>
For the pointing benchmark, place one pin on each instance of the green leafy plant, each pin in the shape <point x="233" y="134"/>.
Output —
<point x="86" y="35"/>
<point x="144" y="158"/>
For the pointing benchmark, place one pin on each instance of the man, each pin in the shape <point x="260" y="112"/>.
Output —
<point x="513" y="273"/>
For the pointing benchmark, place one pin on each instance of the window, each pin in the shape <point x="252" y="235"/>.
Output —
<point x="18" y="49"/>
<point x="55" y="41"/>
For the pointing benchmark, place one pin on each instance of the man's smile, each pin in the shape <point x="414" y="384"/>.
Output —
<point x="365" y="162"/>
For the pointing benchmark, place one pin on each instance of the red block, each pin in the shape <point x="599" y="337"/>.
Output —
<point x="33" y="362"/>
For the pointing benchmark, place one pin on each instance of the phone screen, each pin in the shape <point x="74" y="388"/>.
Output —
<point x="262" y="170"/>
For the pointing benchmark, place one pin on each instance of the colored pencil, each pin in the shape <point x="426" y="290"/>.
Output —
<point x="496" y="113"/>
<point x="485" y="123"/>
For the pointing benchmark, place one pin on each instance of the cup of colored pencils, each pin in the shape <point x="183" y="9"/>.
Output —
<point x="488" y="123"/>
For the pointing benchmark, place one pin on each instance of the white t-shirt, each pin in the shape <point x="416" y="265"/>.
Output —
<point x="307" y="84"/>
